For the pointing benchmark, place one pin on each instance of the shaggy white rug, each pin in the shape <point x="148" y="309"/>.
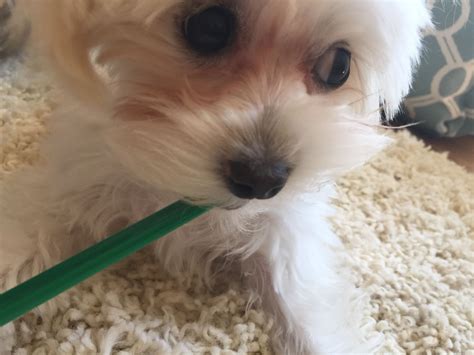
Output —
<point x="407" y="219"/>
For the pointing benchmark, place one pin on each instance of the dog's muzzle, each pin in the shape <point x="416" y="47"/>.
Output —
<point x="256" y="180"/>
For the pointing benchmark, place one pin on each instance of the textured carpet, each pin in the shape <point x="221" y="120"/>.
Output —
<point x="407" y="219"/>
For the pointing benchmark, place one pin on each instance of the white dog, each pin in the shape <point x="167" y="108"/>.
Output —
<point x="253" y="106"/>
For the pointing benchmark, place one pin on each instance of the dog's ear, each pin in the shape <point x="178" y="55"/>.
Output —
<point x="62" y="34"/>
<point x="403" y="34"/>
<point x="73" y="35"/>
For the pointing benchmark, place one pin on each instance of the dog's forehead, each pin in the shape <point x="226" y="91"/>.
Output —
<point x="292" y="13"/>
<point x="316" y="23"/>
<point x="305" y="12"/>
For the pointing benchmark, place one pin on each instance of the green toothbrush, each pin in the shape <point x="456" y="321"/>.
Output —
<point x="50" y="283"/>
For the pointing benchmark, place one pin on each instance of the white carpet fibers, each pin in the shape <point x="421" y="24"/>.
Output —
<point x="407" y="219"/>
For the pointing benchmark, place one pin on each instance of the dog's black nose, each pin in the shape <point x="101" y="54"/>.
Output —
<point x="249" y="180"/>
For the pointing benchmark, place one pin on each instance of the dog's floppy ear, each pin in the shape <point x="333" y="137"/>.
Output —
<point x="72" y="35"/>
<point x="62" y="33"/>
<point x="402" y="33"/>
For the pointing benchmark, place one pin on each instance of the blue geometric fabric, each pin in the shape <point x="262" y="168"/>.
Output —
<point x="442" y="97"/>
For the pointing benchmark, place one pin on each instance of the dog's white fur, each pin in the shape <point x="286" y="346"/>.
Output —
<point x="144" y="122"/>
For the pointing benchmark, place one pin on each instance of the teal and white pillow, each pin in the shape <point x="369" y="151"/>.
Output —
<point x="442" y="97"/>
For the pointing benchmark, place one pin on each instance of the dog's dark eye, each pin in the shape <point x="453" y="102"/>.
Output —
<point x="333" y="68"/>
<point x="210" y="30"/>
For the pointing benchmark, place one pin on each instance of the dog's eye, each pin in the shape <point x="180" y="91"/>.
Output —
<point x="333" y="68"/>
<point x="210" y="30"/>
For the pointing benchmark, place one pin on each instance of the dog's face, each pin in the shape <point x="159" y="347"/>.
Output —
<point x="225" y="101"/>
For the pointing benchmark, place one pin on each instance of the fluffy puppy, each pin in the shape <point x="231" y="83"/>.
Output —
<point x="254" y="107"/>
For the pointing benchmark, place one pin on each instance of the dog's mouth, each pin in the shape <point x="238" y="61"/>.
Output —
<point x="232" y="205"/>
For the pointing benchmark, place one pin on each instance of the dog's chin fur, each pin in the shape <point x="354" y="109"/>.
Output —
<point x="145" y="121"/>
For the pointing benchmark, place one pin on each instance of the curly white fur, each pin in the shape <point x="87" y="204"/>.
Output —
<point x="145" y="122"/>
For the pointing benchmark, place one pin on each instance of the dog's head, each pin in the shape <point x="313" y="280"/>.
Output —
<point x="223" y="101"/>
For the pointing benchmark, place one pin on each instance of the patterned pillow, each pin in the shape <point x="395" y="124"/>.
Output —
<point x="442" y="97"/>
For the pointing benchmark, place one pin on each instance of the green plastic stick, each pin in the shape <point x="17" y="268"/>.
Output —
<point x="50" y="283"/>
